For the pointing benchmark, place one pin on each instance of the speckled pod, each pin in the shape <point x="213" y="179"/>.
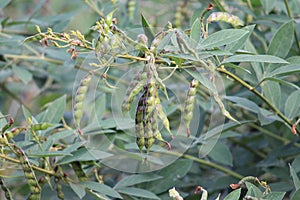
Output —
<point x="161" y="114"/>
<point x="59" y="191"/>
<point x="131" y="9"/>
<point x="149" y="137"/>
<point x="225" y="17"/>
<point x="134" y="88"/>
<point x="139" y="125"/>
<point x="29" y="174"/>
<point x="79" y="98"/>
<point x="5" y="190"/>
<point x="190" y="104"/>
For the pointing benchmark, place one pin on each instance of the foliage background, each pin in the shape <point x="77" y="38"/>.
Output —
<point x="39" y="81"/>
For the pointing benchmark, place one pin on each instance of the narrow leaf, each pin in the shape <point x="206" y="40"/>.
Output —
<point x="137" y="192"/>
<point x="55" y="110"/>
<point x="292" y="106"/>
<point x="285" y="70"/>
<point x="267" y="5"/>
<point x="202" y="79"/>
<point x="282" y="40"/>
<point x="222" y="37"/>
<point x="254" y="58"/>
<point x="164" y="42"/>
<point x="4" y="3"/>
<point x="102" y="189"/>
<point x="295" y="177"/>
<point x="136" y="179"/>
<point x="195" y="36"/>
<point x="147" y="29"/>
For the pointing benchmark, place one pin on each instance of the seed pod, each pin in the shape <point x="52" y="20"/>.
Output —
<point x="131" y="9"/>
<point x="223" y="109"/>
<point x="139" y="126"/>
<point x="161" y="114"/>
<point x="60" y="194"/>
<point x="225" y="17"/>
<point x="40" y="127"/>
<point x="156" y="132"/>
<point x="159" y="81"/>
<point x="149" y="137"/>
<point x="179" y="13"/>
<point x="7" y="193"/>
<point x="134" y="88"/>
<point x="190" y="104"/>
<point x="29" y="174"/>
<point x="79" y="171"/>
<point x="14" y="132"/>
<point x="79" y="98"/>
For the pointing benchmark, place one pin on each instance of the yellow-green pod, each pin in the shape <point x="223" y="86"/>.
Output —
<point x="149" y="137"/>
<point x="59" y="191"/>
<point x="79" y="98"/>
<point x="131" y="9"/>
<point x="6" y="191"/>
<point x="40" y="126"/>
<point x="225" y="17"/>
<point x="14" y="132"/>
<point x="139" y="125"/>
<point x="190" y="104"/>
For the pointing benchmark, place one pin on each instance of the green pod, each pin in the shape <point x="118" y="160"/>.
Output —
<point x="59" y="191"/>
<point x="6" y="191"/>
<point x="131" y="9"/>
<point x="161" y="114"/>
<point x="190" y="104"/>
<point x="40" y="127"/>
<point x="79" y="98"/>
<point x="14" y="132"/>
<point x="79" y="171"/>
<point x="149" y="137"/>
<point x="29" y="174"/>
<point x="156" y="133"/>
<point x="139" y="118"/>
<point x="134" y="88"/>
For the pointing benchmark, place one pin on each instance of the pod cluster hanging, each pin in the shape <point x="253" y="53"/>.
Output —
<point x="149" y="109"/>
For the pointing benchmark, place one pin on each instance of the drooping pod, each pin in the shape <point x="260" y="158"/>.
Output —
<point x="134" y="88"/>
<point x="190" y="104"/>
<point x="59" y="191"/>
<point x="161" y="114"/>
<point x="131" y="9"/>
<point x="79" y="98"/>
<point x="29" y="174"/>
<point x="225" y="17"/>
<point x="150" y="90"/>
<point x="139" y="125"/>
<point x="7" y="193"/>
<point x="149" y="137"/>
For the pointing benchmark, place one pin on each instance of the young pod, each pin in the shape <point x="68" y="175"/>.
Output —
<point x="40" y="126"/>
<point x="156" y="132"/>
<point x="225" y="17"/>
<point x="190" y="104"/>
<point x="149" y="137"/>
<point x="59" y="191"/>
<point x="6" y="191"/>
<point x="134" y="88"/>
<point x="79" y="98"/>
<point x="131" y="9"/>
<point x="139" y="126"/>
<point x="14" y="132"/>
<point x="29" y="174"/>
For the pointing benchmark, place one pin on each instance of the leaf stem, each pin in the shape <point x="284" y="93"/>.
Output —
<point x="257" y="93"/>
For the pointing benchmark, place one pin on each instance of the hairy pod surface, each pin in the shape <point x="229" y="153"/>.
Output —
<point x="29" y="174"/>
<point x="79" y="98"/>
<point x="134" y="88"/>
<point x="190" y="104"/>
<point x="139" y="125"/>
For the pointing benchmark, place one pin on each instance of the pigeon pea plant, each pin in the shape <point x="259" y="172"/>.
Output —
<point x="67" y="145"/>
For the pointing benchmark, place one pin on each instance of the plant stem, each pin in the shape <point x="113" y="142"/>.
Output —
<point x="252" y="89"/>
<point x="291" y="17"/>
<point x="209" y="164"/>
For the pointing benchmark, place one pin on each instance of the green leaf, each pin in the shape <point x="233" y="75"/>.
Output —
<point x="136" y="179"/>
<point x="244" y="103"/>
<point x="283" y="82"/>
<point x="170" y="175"/>
<point x="296" y="164"/>
<point x="137" y="192"/>
<point x="79" y="190"/>
<point x="202" y="79"/>
<point x="147" y="29"/>
<point x="295" y="177"/>
<point x="296" y="195"/>
<point x="275" y="196"/>
<point x="253" y="190"/>
<point x="233" y="195"/>
<point x="233" y="47"/>
<point x="3" y="121"/>
<point x="285" y="70"/>
<point x="164" y="42"/>
<point x="292" y="106"/>
<point x="102" y="189"/>
<point x="221" y="154"/>
<point x="22" y="73"/>
<point x="49" y="154"/>
<point x="282" y="40"/>
<point x="4" y="3"/>
<point x="254" y="58"/>
<point x="267" y="5"/>
<point x="223" y="37"/>
<point x="55" y="110"/>
<point x="195" y="36"/>
<point x="100" y="108"/>
<point x="272" y="91"/>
